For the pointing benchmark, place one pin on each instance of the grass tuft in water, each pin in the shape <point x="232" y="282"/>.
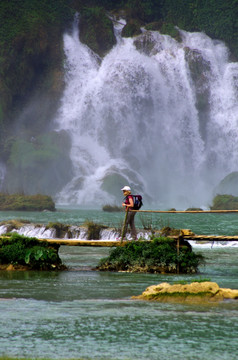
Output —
<point x="157" y="256"/>
<point x="18" y="250"/>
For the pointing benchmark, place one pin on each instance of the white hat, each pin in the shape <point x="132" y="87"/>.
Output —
<point x="127" y="188"/>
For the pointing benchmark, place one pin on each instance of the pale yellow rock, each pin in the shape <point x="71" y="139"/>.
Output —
<point x="229" y="293"/>
<point x="154" y="289"/>
<point x="193" y="288"/>
<point x="10" y="267"/>
<point x="186" y="232"/>
<point x="193" y="293"/>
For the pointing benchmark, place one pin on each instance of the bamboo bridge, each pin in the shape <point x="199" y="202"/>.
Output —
<point x="184" y="234"/>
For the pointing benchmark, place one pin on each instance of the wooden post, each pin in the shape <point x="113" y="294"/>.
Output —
<point x="124" y="224"/>
<point x="178" y="243"/>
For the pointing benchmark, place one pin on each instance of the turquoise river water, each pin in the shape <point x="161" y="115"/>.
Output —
<point x="87" y="314"/>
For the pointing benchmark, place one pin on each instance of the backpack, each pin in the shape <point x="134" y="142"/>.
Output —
<point x="137" y="201"/>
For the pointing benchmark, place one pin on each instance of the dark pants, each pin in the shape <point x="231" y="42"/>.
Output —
<point x="130" y="221"/>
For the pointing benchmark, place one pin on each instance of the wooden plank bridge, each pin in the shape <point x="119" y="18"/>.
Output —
<point x="110" y="243"/>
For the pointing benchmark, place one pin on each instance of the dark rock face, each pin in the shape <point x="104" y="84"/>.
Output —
<point x="200" y="70"/>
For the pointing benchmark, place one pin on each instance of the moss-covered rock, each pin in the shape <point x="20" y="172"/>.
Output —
<point x="157" y="256"/>
<point x="60" y="229"/>
<point x="225" y="202"/>
<point x="19" y="202"/>
<point x="96" y="30"/>
<point x="20" y="252"/>
<point x="146" y="43"/>
<point x="94" y="230"/>
<point x="132" y="28"/>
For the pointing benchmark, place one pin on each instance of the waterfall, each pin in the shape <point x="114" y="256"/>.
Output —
<point x="154" y="113"/>
<point x="2" y="174"/>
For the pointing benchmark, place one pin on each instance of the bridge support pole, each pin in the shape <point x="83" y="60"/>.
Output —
<point x="178" y="244"/>
<point x="124" y="225"/>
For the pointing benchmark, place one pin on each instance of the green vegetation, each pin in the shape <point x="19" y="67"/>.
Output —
<point x="30" y="13"/>
<point x="30" y="253"/>
<point x="171" y="30"/>
<point x="225" y="202"/>
<point x="157" y="256"/>
<point x="179" y="295"/>
<point x="184" y="282"/>
<point x="17" y="202"/>
<point x="218" y="18"/>
<point x="29" y="29"/>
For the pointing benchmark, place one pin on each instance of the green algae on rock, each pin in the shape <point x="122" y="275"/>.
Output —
<point x="196" y="292"/>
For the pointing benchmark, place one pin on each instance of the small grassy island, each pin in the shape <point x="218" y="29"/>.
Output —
<point x="112" y="208"/>
<point x="19" y="202"/>
<point x="196" y="292"/>
<point x="22" y="253"/>
<point x="225" y="202"/>
<point x="157" y="256"/>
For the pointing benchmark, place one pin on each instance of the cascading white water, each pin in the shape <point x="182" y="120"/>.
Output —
<point x="135" y="115"/>
<point x="2" y="174"/>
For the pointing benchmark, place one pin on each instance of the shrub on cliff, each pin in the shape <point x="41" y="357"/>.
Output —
<point x="19" y="202"/>
<point x="157" y="256"/>
<point x="29" y="252"/>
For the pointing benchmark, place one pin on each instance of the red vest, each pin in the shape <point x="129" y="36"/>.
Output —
<point x="127" y="202"/>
